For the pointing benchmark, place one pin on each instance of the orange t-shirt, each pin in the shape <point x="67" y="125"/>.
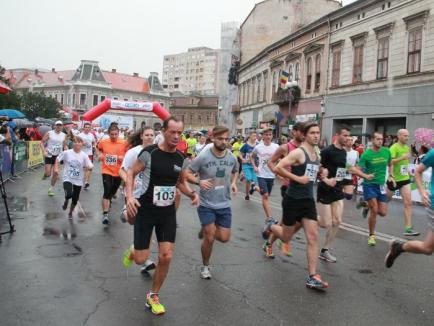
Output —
<point x="114" y="153"/>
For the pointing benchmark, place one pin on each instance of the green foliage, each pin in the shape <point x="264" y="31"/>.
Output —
<point x="10" y="101"/>
<point x="38" y="105"/>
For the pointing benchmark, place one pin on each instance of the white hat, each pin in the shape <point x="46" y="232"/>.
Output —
<point x="58" y="122"/>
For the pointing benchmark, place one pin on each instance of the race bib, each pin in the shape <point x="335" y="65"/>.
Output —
<point x="341" y="173"/>
<point x="74" y="173"/>
<point x="56" y="149"/>
<point x="312" y="171"/>
<point x="164" y="195"/>
<point x="404" y="170"/>
<point x="111" y="160"/>
<point x="383" y="190"/>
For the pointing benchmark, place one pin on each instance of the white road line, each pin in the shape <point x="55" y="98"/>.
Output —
<point x="345" y="226"/>
<point x="81" y="208"/>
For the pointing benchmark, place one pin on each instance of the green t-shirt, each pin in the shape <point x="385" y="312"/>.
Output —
<point x="375" y="163"/>
<point x="236" y="148"/>
<point x="400" y="169"/>
<point x="191" y="142"/>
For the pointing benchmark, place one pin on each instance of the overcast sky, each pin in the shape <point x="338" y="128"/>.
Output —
<point x="129" y="35"/>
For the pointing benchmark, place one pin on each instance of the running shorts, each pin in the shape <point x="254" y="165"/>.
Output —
<point x="399" y="184"/>
<point x="327" y="195"/>
<point x="71" y="192"/>
<point x="373" y="191"/>
<point x="220" y="217"/>
<point x="249" y="173"/>
<point x="50" y="160"/>
<point x="265" y="185"/>
<point x="111" y="185"/>
<point x="294" y="210"/>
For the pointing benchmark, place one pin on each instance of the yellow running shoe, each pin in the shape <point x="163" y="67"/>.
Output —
<point x="153" y="303"/>
<point x="285" y="247"/>
<point x="371" y="241"/>
<point x="128" y="258"/>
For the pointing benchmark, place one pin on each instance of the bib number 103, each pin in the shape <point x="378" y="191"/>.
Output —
<point x="164" y="196"/>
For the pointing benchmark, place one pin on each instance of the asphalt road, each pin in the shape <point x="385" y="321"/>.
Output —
<point x="57" y="272"/>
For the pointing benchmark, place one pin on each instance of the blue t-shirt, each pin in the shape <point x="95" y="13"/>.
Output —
<point x="246" y="151"/>
<point x="428" y="161"/>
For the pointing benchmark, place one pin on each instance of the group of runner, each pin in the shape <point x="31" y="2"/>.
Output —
<point x="155" y="173"/>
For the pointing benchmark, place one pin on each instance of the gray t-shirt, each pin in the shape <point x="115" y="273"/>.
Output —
<point x="220" y="170"/>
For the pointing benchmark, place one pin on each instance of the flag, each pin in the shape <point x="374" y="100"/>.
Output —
<point x="284" y="77"/>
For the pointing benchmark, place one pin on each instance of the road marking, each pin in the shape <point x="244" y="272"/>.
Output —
<point x="345" y="226"/>
<point x="81" y="208"/>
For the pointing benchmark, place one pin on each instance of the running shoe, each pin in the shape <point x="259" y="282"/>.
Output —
<point x="127" y="257"/>
<point x="65" y="205"/>
<point x="105" y="219"/>
<point x="149" y="265"/>
<point x="394" y="251"/>
<point x="285" y="247"/>
<point x="123" y="212"/>
<point x="153" y="303"/>
<point x="205" y="273"/>
<point x="361" y="203"/>
<point x="70" y="215"/>
<point x="409" y="232"/>
<point x="267" y="228"/>
<point x="315" y="282"/>
<point x="327" y="256"/>
<point x="268" y="249"/>
<point x="371" y="241"/>
<point x="247" y="197"/>
<point x="365" y="212"/>
<point x="44" y="177"/>
<point x="50" y="192"/>
<point x="86" y="186"/>
<point x="252" y="188"/>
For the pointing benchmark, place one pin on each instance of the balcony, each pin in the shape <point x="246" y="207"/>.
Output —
<point x="282" y="96"/>
<point x="236" y="109"/>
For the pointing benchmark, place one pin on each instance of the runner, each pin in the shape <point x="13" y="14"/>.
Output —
<point x="350" y="181"/>
<point x="247" y="167"/>
<point x="52" y="144"/>
<point x="75" y="163"/>
<point x="218" y="173"/>
<point x="201" y="145"/>
<point x="164" y="171"/>
<point x="282" y="151"/>
<point x="111" y="153"/>
<point x="425" y="247"/>
<point x="138" y="142"/>
<point x="88" y="147"/>
<point x="236" y="146"/>
<point x="264" y="151"/>
<point x="191" y="145"/>
<point x="401" y="154"/>
<point x="330" y="196"/>
<point x="298" y="204"/>
<point x="375" y="162"/>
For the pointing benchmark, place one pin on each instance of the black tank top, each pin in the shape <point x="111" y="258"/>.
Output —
<point x="310" y="168"/>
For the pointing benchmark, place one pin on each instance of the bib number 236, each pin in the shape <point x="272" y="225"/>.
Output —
<point x="164" y="196"/>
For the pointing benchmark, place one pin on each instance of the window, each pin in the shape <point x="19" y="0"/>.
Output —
<point x="55" y="97"/>
<point x="125" y="99"/>
<point x="264" y="98"/>
<point x="82" y="99"/>
<point x="61" y="98"/>
<point x="358" y="63"/>
<point x="116" y="98"/>
<point x="191" y="118"/>
<point x="73" y="99"/>
<point x="308" y="75"/>
<point x="258" y="88"/>
<point x="95" y="100"/>
<point x="102" y="98"/>
<point x="382" y="57"/>
<point x="274" y="82"/>
<point x="317" y="72"/>
<point x="297" y="72"/>
<point x="290" y="72"/>
<point x="199" y="119"/>
<point x="414" y="50"/>
<point x="336" y="68"/>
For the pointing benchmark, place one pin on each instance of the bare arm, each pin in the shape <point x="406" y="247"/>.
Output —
<point x="289" y="160"/>
<point x="358" y="171"/>
<point x="43" y="141"/>
<point x="422" y="191"/>
<point x="132" y="203"/>
<point x="278" y="154"/>
<point x="185" y="188"/>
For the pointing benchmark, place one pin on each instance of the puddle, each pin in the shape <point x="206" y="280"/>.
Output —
<point x="365" y="271"/>
<point x="58" y="250"/>
<point x="54" y="215"/>
<point x="66" y="232"/>
<point x="18" y="204"/>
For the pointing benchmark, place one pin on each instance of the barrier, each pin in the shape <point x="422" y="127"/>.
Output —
<point x="5" y="161"/>
<point x="20" y="157"/>
<point x="35" y="156"/>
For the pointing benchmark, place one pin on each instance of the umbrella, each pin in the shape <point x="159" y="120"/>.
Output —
<point x="4" y="89"/>
<point x="12" y="114"/>
<point x="424" y="136"/>
<point x="23" y="123"/>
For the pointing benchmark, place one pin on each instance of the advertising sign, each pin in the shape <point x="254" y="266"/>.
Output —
<point x="36" y="156"/>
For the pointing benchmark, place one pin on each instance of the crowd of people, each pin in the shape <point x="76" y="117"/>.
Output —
<point x="156" y="168"/>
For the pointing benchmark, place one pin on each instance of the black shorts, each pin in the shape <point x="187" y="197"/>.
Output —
<point x="294" y="210"/>
<point x="283" y="190"/>
<point x="148" y="217"/>
<point x="50" y="160"/>
<point x="399" y="184"/>
<point x="327" y="195"/>
<point x="111" y="185"/>
<point x="71" y="192"/>
<point x="347" y="182"/>
<point x="265" y="185"/>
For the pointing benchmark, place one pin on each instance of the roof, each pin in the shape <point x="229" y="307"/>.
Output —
<point x="24" y="78"/>
<point x="126" y="82"/>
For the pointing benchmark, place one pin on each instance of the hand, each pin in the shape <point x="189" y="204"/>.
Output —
<point x="425" y="198"/>
<point x="304" y="180"/>
<point x="132" y="207"/>
<point x="206" y="184"/>
<point x="324" y="173"/>
<point x="369" y="177"/>
<point x="195" y="200"/>
<point x="234" y="188"/>
<point x="255" y="168"/>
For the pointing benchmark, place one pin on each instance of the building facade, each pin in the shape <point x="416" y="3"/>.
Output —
<point x="193" y="71"/>
<point x="81" y="89"/>
<point x="195" y="110"/>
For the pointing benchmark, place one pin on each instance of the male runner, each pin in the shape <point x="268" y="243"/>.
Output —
<point x="52" y="144"/>
<point x="111" y="153"/>
<point x="164" y="171"/>
<point x="75" y="163"/>
<point x="401" y="154"/>
<point x="425" y="247"/>
<point x="375" y="161"/>
<point x="88" y="146"/>
<point x="281" y="152"/>
<point x="298" y="205"/>
<point x="191" y="143"/>
<point x="218" y="172"/>
<point x="330" y="197"/>
<point x="352" y="160"/>
<point x="264" y="151"/>
<point x="247" y="167"/>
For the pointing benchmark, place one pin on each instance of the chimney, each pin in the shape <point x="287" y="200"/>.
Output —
<point x="114" y="71"/>
<point x="53" y="69"/>
<point x="135" y="74"/>
<point x="36" y="71"/>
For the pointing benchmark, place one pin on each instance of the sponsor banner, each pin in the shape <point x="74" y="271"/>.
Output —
<point x="36" y="156"/>
<point x="132" y="106"/>
<point x="5" y="161"/>
<point x="20" y="157"/>
<point x="105" y="120"/>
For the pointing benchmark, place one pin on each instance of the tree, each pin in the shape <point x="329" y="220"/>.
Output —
<point x="10" y="101"/>
<point x="35" y="105"/>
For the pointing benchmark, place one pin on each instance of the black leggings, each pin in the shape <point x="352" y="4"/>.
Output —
<point x="71" y="191"/>
<point x="111" y="185"/>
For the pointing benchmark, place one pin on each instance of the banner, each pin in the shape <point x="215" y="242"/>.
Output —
<point x="125" y="105"/>
<point x="36" y="156"/>
<point x="5" y="161"/>
<point x="105" y="120"/>
<point x="20" y="157"/>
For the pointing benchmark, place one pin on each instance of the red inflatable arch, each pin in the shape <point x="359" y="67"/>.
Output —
<point x="108" y="104"/>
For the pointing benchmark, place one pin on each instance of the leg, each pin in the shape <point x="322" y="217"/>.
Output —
<point x="177" y="198"/>
<point x="373" y="210"/>
<point x="87" y="175"/>
<point x="266" y="206"/>
<point x="311" y="231"/>
<point x="382" y="208"/>
<point x="75" y="197"/>
<point x="107" y="184"/>
<point x="337" y="208"/>
<point x="284" y="232"/>
<point x="406" y="196"/>
<point x="47" y="170"/>
<point x="69" y="190"/>
<point x="425" y="247"/>
<point x="165" y="252"/>
<point x="209" y="233"/>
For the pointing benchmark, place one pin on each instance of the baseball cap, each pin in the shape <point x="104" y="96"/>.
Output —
<point x="298" y="125"/>
<point x="58" y="122"/>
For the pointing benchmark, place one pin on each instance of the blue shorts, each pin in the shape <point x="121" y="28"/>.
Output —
<point x="372" y="191"/>
<point x="249" y="173"/>
<point x="220" y="217"/>
<point x="265" y="185"/>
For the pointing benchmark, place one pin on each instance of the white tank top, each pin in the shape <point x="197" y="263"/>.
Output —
<point x="55" y="143"/>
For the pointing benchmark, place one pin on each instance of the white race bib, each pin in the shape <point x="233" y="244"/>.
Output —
<point x="56" y="149"/>
<point x="111" y="160"/>
<point x="74" y="173"/>
<point x="383" y="190"/>
<point x="164" y="195"/>
<point x="404" y="170"/>
<point x="341" y="173"/>
<point x="312" y="171"/>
